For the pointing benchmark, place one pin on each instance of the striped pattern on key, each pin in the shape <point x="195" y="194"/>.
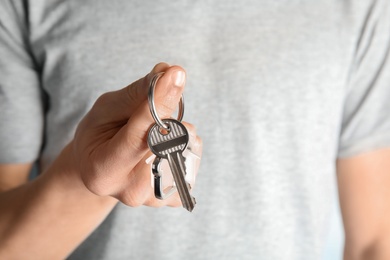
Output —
<point x="164" y="144"/>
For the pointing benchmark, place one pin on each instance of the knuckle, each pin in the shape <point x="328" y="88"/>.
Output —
<point x="132" y="93"/>
<point x="166" y="108"/>
<point x="191" y="128"/>
<point x="155" y="203"/>
<point x="100" y="108"/>
<point x="131" y="202"/>
<point x="95" y="186"/>
<point x="103" y="99"/>
<point x="137" y="144"/>
<point x="131" y="199"/>
<point x="94" y="181"/>
<point x="136" y="91"/>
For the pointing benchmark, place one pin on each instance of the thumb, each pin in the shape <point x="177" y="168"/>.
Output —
<point x="136" y="92"/>
<point x="119" y="105"/>
<point x="131" y="139"/>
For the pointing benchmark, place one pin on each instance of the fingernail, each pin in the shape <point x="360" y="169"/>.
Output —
<point x="178" y="78"/>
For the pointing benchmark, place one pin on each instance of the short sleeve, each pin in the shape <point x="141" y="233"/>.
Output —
<point x="366" y="117"/>
<point x="21" y="110"/>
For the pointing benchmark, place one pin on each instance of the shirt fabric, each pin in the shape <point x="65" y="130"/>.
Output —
<point x="278" y="91"/>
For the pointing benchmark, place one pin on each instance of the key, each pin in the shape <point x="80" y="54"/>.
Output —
<point x="169" y="145"/>
<point x="159" y="191"/>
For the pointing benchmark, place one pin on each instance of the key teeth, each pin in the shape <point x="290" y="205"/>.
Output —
<point x="185" y="170"/>
<point x="184" y="166"/>
<point x="184" y="163"/>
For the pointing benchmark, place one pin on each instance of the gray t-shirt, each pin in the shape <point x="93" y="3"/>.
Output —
<point x="278" y="91"/>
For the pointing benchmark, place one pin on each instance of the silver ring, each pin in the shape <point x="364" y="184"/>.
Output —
<point x="152" y="106"/>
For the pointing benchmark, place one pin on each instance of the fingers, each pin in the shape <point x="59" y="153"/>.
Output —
<point x="116" y="149"/>
<point x="138" y="190"/>
<point x="195" y="142"/>
<point x="117" y="106"/>
<point x="129" y="144"/>
<point x="166" y="97"/>
<point x="131" y="138"/>
<point x="134" y="94"/>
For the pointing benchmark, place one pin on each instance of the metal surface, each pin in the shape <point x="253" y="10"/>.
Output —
<point x="159" y="191"/>
<point x="170" y="146"/>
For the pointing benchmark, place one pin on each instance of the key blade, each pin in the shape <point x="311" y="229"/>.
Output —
<point x="176" y="163"/>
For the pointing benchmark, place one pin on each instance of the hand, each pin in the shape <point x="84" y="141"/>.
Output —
<point x="110" y="144"/>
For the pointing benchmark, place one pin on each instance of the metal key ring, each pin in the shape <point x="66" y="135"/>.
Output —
<point x="152" y="106"/>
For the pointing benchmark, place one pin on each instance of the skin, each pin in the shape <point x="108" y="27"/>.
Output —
<point x="364" y="182"/>
<point x="13" y="175"/>
<point x="113" y="140"/>
<point x="103" y="164"/>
